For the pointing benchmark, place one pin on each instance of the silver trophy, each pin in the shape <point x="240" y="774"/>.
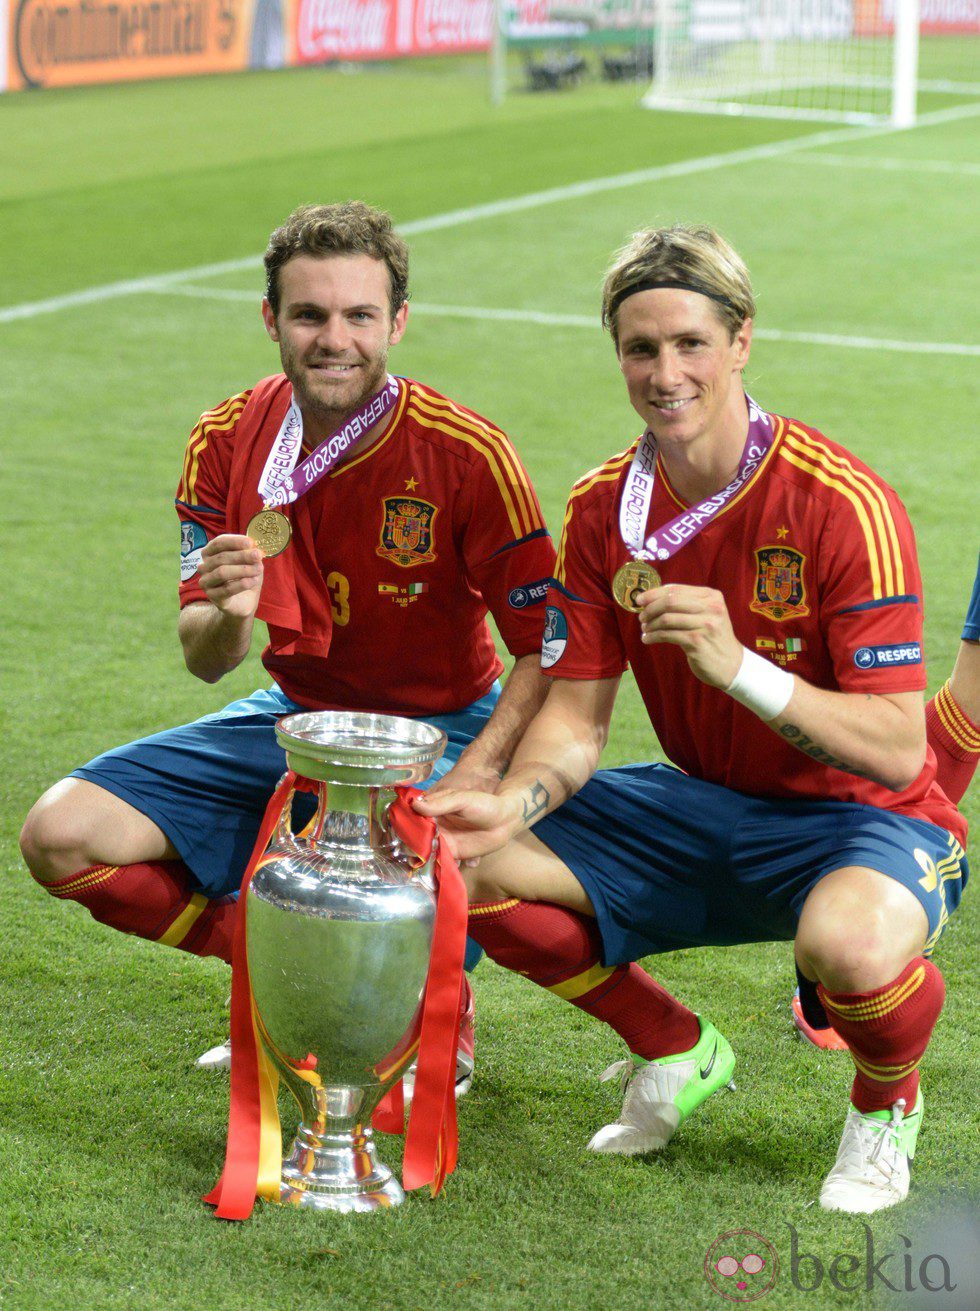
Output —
<point x="339" y="933"/>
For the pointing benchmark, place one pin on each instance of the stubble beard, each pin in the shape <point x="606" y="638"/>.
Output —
<point x="369" y="379"/>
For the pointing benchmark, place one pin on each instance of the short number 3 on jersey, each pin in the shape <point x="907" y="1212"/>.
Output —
<point x="339" y="589"/>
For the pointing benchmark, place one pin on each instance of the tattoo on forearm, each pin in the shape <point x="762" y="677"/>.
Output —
<point x="797" y="738"/>
<point x="536" y="803"/>
<point x="541" y="797"/>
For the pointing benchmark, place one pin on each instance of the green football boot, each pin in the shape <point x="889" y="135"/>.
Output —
<point x="659" y="1095"/>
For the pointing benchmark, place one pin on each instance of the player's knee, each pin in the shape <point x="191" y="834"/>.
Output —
<point x="857" y="957"/>
<point x="54" y="837"/>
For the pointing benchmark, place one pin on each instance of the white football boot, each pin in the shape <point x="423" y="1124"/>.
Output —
<point x="659" y="1095"/>
<point x="872" y="1166"/>
<point x="215" y="1058"/>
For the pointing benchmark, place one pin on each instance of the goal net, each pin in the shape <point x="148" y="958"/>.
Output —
<point x="850" y="61"/>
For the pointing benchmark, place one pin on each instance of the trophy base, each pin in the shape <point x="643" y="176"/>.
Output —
<point x="337" y="1172"/>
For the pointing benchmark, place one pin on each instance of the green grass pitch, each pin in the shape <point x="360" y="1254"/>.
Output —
<point x="108" y="1137"/>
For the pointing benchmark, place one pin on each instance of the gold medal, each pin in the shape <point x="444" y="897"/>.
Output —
<point x="270" y="531"/>
<point x="632" y="579"/>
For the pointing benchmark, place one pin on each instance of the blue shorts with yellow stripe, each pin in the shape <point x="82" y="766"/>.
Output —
<point x="206" y="784"/>
<point x="669" y="861"/>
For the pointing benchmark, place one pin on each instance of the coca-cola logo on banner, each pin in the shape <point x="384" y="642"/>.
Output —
<point x="343" y="29"/>
<point x="385" y="29"/>
<point x="453" y="24"/>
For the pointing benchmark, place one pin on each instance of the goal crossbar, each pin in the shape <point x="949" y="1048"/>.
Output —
<point x="848" y="61"/>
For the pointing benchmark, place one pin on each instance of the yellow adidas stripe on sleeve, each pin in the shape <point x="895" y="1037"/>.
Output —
<point x="512" y="482"/>
<point x="868" y="499"/>
<point x="499" y="440"/>
<point x="221" y="419"/>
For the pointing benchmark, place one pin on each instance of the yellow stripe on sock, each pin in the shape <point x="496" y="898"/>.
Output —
<point x="185" y="921"/>
<point x="579" y="984"/>
<point x="872" y="1010"/>
<point x="956" y="721"/>
<point x="90" y="878"/>
<point x="885" y="1073"/>
<point x="492" y="907"/>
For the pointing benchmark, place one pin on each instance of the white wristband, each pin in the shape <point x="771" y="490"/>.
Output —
<point x="760" y="686"/>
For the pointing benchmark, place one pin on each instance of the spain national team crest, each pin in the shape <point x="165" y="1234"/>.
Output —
<point x="406" y="530"/>
<point x="780" y="592"/>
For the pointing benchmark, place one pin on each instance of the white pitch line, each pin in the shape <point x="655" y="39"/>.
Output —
<point x="869" y="343"/>
<point x="888" y="165"/>
<point x="542" y="318"/>
<point x="494" y="209"/>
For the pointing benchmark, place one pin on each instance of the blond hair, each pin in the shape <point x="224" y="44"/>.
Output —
<point x="690" y="258"/>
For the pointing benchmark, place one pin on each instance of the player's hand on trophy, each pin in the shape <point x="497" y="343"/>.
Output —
<point x="472" y="824"/>
<point x="464" y="777"/>
<point x="696" y="619"/>
<point x="231" y="574"/>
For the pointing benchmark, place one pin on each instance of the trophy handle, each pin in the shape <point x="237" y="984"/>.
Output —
<point x="284" y="836"/>
<point x="426" y="874"/>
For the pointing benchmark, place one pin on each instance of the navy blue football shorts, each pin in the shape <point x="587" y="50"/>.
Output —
<point x="207" y="784"/>
<point x="971" y="628"/>
<point x="669" y="861"/>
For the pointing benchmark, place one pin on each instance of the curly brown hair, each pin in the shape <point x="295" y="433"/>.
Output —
<point x="350" y="228"/>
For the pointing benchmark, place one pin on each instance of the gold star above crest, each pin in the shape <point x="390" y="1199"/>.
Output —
<point x="411" y="485"/>
<point x="781" y="533"/>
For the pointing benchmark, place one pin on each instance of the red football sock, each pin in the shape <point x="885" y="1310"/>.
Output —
<point x="561" y="950"/>
<point x="154" y="900"/>
<point x="955" y="738"/>
<point x="888" y="1031"/>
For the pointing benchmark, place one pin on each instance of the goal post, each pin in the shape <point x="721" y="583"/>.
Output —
<point x="848" y="61"/>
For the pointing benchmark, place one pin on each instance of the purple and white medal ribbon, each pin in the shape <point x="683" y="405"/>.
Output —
<point x="637" y="575"/>
<point x="282" y="482"/>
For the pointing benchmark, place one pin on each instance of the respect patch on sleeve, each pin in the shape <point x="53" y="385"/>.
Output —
<point x="899" y="653"/>
<point x="528" y="594"/>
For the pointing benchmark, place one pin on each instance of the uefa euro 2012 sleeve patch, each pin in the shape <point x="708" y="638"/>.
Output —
<point x="555" y="636"/>
<point x="193" y="540"/>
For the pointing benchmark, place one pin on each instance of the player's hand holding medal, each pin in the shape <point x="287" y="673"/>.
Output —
<point x="694" y="618"/>
<point x="230" y="574"/>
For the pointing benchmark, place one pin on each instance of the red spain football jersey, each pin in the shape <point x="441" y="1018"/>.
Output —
<point x="816" y="559"/>
<point x="416" y="538"/>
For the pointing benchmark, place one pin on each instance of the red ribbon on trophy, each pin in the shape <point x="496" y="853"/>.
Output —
<point x="431" y="1142"/>
<point x="253" y="1155"/>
